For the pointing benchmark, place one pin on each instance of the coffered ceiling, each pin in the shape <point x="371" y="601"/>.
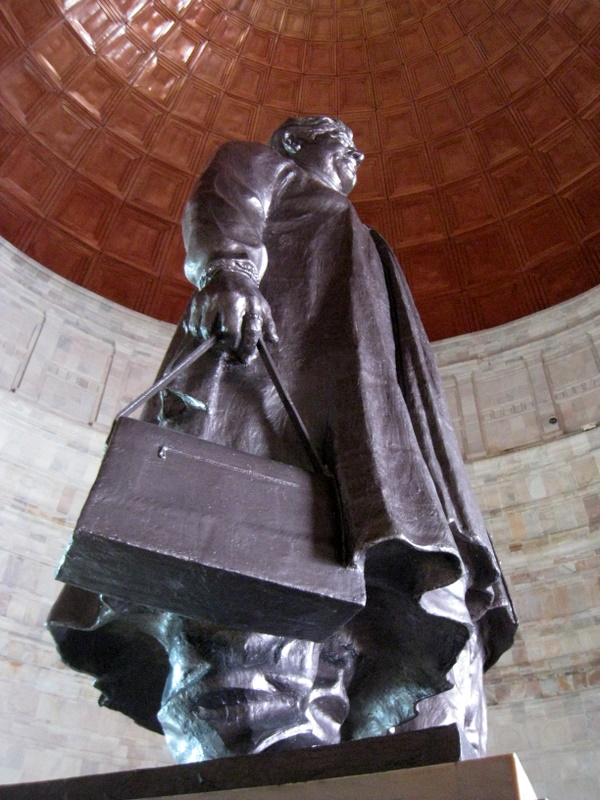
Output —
<point x="480" y="120"/>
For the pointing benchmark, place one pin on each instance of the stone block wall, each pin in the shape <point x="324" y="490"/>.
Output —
<point x="525" y="399"/>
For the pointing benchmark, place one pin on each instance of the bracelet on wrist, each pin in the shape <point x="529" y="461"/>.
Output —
<point x="235" y="265"/>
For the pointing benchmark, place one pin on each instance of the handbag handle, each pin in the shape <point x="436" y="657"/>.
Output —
<point x="289" y="406"/>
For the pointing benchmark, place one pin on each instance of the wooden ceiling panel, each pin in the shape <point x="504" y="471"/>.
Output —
<point x="519" y="184"/>
<point x="33" y="174"/>
<point x="183" y="46"/>
<point x="289" y="54"/>
<point x="351" y="58"/>
<point x="126" y="53"/>
<point x="442" y="28"/>
<point x="468" y="204"/>
<point x="60" y="53"/>
<point x="25" y="90"/>
<point x="178" y="143"/>
<point x="383" y="51"/>
<point x="431" y="269"/>
<point x="550" y="44"/>
<point x="17" y="221"/>
<point x="539" y="112"/>
<point x="93" y="22"/>
<point x="407" y="171"/>
<point x="111" y="163"/>
<point x="447" y="316"/>
<point x="570" y="272"/>
<point x="235" y="118"/>
<point x="577" y="81"/>
<point x="399" y="125"/>
<point x="230" y="32"/>
<point x="484" y="255"/>
<point x="453" y="157"/>
<point x="84" y="210"/>
<point x="515" y="73"/>
<point x="522" y="16"/>
<point x="413" y="42"/>
<point x="541" y="232"/>
<point x="196" y="103"/>
<point x="167" y="300"/>
<point x="119" y="282"/>
<point x="499" y="138"/>
<point x="295" y="22"/>
<point x="470" y="13"/>
<point x="137" y="238"/>
<point x="480" y="120"/>
<point x="71" y="257"/>
<point x="97" y="89"/>
<point x="151" y="23"/>
<point x="66" y="129"/>
<point x="259" y="46"/>
<point x="567" y="155"/>
<point x="500" y="302"/>
<point x="372" y="180"/>
<point x="460" y="60"/>
<point x="29" y="19"/>
<point x="355" y="93"/>
<point x="160" y="189"/>
<point x="582" y="200"/>
<point x="417" y="219"/>
<point x="493" y="39"/>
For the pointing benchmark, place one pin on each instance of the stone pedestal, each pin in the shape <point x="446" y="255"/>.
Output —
<point x="494" y="778"/>
<point x="433" y="764"/>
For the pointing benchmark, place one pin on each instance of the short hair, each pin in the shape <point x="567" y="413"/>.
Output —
<point x="306" y="129"/>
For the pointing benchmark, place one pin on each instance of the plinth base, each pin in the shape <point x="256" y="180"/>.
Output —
<point x="494" y="778"/>
<point x="420" y="765"/>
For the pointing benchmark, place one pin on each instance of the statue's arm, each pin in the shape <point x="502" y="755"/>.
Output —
<point x="223" y="228"/>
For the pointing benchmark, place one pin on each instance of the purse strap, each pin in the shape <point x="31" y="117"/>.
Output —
<point x="286" y="400"/>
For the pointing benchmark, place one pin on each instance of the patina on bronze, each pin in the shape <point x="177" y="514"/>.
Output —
<point x="275" y="248"/>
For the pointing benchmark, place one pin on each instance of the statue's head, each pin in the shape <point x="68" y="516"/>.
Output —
<point x="323" y="146"/>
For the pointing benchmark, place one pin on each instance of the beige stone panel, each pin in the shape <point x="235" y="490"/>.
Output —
<point x="507" y="408"/>
<point x="67" y="371"/>
<point x="574" y="378"/>
<point x="20" y="326"/>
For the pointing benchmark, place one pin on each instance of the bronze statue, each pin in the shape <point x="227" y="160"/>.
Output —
<point x="275" y="249"/>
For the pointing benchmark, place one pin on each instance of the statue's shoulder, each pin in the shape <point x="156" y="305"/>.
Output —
<point x="249" y="152"/>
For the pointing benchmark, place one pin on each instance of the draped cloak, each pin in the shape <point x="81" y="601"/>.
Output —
<point x="354" y="357"/>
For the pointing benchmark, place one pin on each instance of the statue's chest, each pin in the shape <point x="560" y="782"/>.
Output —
<point x="303" y="211"/>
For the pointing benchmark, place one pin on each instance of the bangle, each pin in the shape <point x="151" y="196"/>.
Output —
<point x="239" y="265"/>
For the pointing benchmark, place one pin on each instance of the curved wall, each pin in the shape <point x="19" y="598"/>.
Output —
<point x="71" y="359"/>
<point x="480" y="120"/>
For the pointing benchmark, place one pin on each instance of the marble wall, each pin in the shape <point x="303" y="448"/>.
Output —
<point x="525" y="399"/>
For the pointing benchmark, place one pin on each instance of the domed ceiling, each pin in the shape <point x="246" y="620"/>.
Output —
<point x="480" y="120"/>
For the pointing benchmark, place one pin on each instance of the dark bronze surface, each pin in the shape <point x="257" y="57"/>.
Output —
<point x="275" y="249"/>
<point x="440" y="745"/>
<point x="188" y="526"/>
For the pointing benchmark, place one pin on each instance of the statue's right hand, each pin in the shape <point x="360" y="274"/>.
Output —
<point x="232" y="307"/>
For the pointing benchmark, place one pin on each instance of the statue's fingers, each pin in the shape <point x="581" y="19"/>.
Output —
<point x="208" y="320"/>
<point x="194" y="324"/>
<point x="268" y="327"/>
<point x="231" y="327"/>
<point x="252" y="329"/>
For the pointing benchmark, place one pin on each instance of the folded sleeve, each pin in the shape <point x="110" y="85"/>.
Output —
<point x="226" y="214"/>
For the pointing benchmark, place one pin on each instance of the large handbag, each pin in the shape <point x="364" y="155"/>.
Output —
<point x="184" y="525"/>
